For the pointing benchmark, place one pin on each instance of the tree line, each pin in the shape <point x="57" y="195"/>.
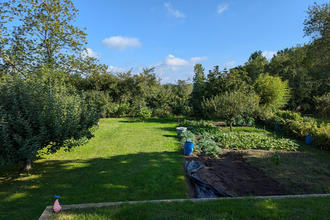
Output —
<point x="52" y="94"/>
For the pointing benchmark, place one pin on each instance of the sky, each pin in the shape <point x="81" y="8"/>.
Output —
<point x="173" y="36"/>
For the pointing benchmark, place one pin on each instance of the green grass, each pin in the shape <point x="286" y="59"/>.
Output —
<point x="298" y="172"/>
<point x="126" y="160"/>
<point x="290" y="208"/>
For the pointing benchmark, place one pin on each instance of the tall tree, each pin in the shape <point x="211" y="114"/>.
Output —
<point x="198" y="89"/>
<point x="256" y="64"/>
<point x="36" y="33"/>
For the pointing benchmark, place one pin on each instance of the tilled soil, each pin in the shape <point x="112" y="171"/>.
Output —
<point x="232" y="174"/>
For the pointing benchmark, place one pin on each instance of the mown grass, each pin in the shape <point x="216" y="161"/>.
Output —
<point x="289" y="208"/>
<point x="126" y="160"/>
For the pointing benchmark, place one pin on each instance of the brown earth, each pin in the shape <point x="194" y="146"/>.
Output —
<point x="232" y="174"/>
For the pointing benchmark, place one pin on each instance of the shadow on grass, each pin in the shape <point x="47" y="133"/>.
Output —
<point x="302" y="208"/>
<point x="140" y="176"/>
<point x="150" y="120"/>
<point x="299" y="172"/>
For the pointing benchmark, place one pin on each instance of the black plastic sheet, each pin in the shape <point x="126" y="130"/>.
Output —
<point x="203" y="189"/>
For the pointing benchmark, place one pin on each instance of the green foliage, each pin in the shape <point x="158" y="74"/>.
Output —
<point x="273" y="92"/>
<point x="39" y="116"/>
<point x="187" y="135"/>
<point x="321" y="136"/>
<point x="231" y="105"/>
<point x="41" y="33"/>
<point x="198" y="90"/>
<point x="292" y="123"/>
<point x="199" y="127"/>
<point x="207" y="145"/>
<point x="256" y="65"/>
<point x="289" y="115"/>
<point x="322" y="105"/>
<point x="247" y="140"/>
<point x="144" y="113"/>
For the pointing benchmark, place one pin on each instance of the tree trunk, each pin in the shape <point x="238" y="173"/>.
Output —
<point x="231" y="126"/>
<point x="27" y="165"/>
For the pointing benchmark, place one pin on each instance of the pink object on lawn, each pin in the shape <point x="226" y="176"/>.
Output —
<point x="57" y="207"/>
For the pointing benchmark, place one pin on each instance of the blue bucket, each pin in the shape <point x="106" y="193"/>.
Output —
<point x="308" y="139"/>
<point x="188" y="147"/>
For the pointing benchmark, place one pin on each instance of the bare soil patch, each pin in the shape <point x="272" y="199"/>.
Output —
<point x="232" y="174"/>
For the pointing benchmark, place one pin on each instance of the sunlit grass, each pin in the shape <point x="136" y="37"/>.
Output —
<point x="126" y="160"/>
<point x="290" y="208"/>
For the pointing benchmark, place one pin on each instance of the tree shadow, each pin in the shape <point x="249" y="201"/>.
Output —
<point x="299" y="172"/>
<point x="141" y="176"/>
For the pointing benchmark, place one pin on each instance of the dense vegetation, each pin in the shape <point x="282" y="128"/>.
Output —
<point x="44" y="53"/>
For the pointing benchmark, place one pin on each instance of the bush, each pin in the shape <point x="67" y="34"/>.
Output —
<point x="292" y="123"/>
<point x="321" y="137"/>
<point x="144" y="113"/>
<point x="36" y="116"/>
<point x="322" y="105"/>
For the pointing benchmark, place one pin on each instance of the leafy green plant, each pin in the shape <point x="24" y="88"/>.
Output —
<point x="247" y="140"/>
<point x="322" y="105"/>
<point x="187" y="135"/>
<point x="40" y="116"/>
<point x="144" y="113"/>
<point x="207" y="145"/>
<point x="199" y="127"/>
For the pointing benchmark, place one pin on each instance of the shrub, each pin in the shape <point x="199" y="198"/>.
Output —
<point x="321" y="136"/>
<point x="322" y="105"/>
<point x="293" y="124"/>
<point x="36" y="116"/>
<point x="144" y="113"/>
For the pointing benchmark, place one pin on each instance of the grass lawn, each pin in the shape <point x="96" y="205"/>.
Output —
<point x="290" y="208"/>
<point x="126" y="160"/>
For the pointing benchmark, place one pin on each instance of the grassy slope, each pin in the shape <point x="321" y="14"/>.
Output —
<point x="124" y="161"/>
<point x="303" y="208"/>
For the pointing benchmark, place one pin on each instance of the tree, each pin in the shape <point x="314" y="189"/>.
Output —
<point x="231" y="105"/>
<point x="35" y="116"/>
<point x="198" y="89"/>
<point x="256" y="64"/>
<point x="317" y="24"/>
<point x="36" y="33"/>
<point x="273" y="92"/>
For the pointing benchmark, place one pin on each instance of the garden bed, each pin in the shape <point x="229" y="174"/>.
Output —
<point x="232" y="174"/>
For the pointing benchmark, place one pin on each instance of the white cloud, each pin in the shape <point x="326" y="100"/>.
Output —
<point x="229" y="64"/>
<point x="195" y="60"/>
<point x="268" y="54"/>
<point x="174" y="62"/>
<point x="173" y="68"/>
<point x="89" y="52"/>
<point x="121" y="43"/>
<point x="221" y="8"/>
<point x="173" y="12"/>
<point x="113" y="69"/>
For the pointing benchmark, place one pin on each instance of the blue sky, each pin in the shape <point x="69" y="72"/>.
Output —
<point x="174" y="35"/>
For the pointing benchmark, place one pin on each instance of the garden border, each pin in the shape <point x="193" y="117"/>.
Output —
<point x="49" y="209"/>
